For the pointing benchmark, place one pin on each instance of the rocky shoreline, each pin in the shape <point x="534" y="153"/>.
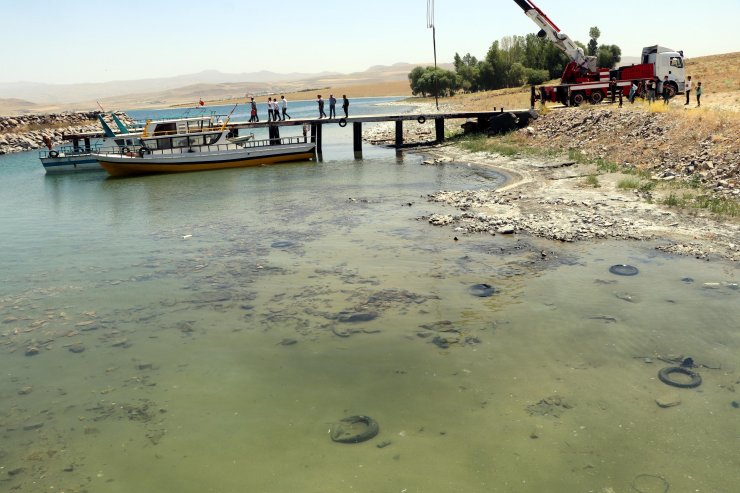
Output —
<point x="550" y="197"/>
<point x="26" y="133"/>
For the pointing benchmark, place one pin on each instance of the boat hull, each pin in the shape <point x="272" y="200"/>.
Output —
<point x="123" y="165"/>
<point x="66" y="164"/>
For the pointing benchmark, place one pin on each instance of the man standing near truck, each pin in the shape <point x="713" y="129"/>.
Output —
<point x="666" y="90"/>
<point x="615" y="90"/>
<point x="688" y="89"/>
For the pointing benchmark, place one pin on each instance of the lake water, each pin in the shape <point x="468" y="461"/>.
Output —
<point x="204" y="332"/>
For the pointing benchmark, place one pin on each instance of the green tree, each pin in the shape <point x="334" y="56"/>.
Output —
<point x="468" y="72"/>
<point x="425" y="81"/>
<point x="535" y="76"/>
<point x="414" y="80"/>
<point x="515" y="75"/>
<point x="498" y="67"/>
<point x="609" y="56"/>
<point x="593" y="44"/>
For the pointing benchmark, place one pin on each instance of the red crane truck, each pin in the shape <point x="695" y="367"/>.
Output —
<point x="583" y="81"/>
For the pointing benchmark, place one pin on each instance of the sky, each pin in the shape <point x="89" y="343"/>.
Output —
<point x="76" y="41"/>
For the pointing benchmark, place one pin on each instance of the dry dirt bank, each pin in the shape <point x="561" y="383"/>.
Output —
<point x="556" y="196"/>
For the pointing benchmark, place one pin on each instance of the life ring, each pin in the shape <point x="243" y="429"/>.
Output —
<point x="125" y="150"/>
<point x="143" y="150"/>
<point x="342" y="122"/>
<point x="665" y="376"/>
<point x="341" y="435"/>
<point x="53" y="154"/>
<point x="422" y="119"/>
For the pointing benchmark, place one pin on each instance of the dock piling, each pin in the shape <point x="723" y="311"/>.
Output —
<point x="399" y="134"/>
<point x="439" y="127"/>
<point x="357" y="138"/>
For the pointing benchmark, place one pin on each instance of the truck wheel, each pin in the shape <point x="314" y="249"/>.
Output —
<point x="596" y="97"/>
<point x="577" y="98"/>
<point x="672" y="89"/>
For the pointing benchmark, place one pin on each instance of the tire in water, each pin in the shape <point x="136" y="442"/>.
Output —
<point x="624" y="270"/>
<point x="665" y="376"/>
<point x="355" y="429"/>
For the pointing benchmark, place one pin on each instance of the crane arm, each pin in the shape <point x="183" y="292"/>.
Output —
<point x="561" y="40"/>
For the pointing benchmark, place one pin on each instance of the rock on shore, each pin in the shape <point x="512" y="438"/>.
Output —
<point x="25" y="133"/>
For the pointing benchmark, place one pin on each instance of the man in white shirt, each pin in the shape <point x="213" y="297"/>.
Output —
<point x="270" y="110"/>
<point x="688" y="89"/>
<point x="284" y="104"/>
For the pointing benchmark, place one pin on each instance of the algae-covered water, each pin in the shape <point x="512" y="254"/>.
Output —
<point x="205" y="332"/>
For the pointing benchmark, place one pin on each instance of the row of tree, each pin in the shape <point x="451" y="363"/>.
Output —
<point x="510" y="62"/>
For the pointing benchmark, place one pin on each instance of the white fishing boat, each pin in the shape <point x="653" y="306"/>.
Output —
<point x="197" y="144"/>
<point x="79" y="156"/>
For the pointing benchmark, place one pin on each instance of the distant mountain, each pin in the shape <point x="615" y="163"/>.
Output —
<point x="65" y="93"/>
<point x="209" y="85"/>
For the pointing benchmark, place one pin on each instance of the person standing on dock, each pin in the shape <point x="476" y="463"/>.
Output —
<point x="284" y="104"/>
<point x="332" y="106"/>
<point x="345" y="105"/>
<point x="270" y="110"/>
<point x="276" y="110"/>
<point x="321" y="107"/>
<point x="254" y="117"/>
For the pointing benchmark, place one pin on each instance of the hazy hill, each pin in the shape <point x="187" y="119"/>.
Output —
<point x="44" y="93"/>
<point x="208" y="85"/>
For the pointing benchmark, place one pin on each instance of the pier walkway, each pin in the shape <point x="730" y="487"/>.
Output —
<point x="315" y="126"/>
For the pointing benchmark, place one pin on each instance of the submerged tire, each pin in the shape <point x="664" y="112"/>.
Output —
<point x="624" y="270"/>
<point x="665" y="376"/>
<point x="348" y="431"/>
<point x="282" y="244"/>
<point x="482" y="290"/>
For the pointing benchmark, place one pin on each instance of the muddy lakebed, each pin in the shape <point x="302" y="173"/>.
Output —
<point x="209" y="332"/>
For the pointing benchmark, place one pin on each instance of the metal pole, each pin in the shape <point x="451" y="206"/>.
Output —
<point x="436" y="84"/>
<point x="430" y="24"/>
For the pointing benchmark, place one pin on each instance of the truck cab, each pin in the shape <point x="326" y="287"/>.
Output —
<point x="666" y="62"/>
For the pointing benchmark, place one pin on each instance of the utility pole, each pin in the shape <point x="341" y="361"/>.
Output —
<point x="430" y="25"/>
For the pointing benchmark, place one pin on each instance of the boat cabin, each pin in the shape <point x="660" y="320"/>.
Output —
<point x="183" y="133"/>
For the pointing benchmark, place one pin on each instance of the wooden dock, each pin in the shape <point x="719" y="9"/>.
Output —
<point x="313" y="127"/>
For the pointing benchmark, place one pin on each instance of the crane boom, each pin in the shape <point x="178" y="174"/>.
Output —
<point x="561" y="40"/>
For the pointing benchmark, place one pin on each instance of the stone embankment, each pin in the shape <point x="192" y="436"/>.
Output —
<point x="25" y="133"/>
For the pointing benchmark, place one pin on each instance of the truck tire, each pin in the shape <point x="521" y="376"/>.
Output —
<point x="596" y="97"/>
<point x="577" y="98"/>
<point x="672" y="89"/>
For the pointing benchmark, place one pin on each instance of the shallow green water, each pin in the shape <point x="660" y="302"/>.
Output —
<point x="208" y="312"/>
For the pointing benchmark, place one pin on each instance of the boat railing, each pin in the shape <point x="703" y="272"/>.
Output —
<point x="69" y="151"/>
<point x="139" y="150"/>
<point x="213" y="117"/>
